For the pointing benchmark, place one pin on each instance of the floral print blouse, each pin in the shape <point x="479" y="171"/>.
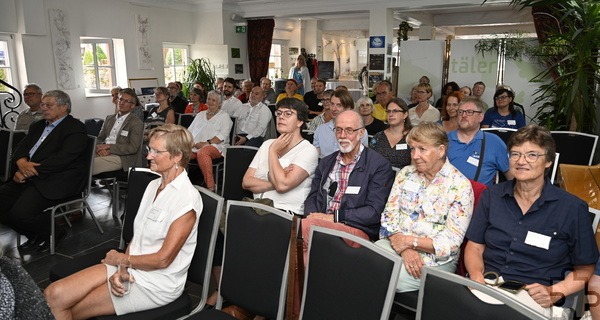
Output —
<point x="440" y="211"/>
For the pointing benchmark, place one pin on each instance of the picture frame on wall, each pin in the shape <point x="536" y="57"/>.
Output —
<point x="239" y="68"/>
<point x="235" y="53"/>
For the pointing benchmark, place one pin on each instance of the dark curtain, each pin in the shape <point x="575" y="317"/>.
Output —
<point x="260" y="37"/>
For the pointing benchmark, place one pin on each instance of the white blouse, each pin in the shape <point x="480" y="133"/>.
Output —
<point x="218" y="126"/>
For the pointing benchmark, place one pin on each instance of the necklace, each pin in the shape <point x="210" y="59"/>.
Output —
<point x="209" y="113"/>
<point x="283" y="154"/>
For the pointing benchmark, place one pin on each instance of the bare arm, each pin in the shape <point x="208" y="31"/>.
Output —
<point x="474" y="261"/>
<point x="546" y="296"/>
<point x="283" y="180"/>
<point x="170" y="117"/>
<point x="255" y="185"/>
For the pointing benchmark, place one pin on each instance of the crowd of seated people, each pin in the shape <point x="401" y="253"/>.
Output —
<point x="343" y="180"/>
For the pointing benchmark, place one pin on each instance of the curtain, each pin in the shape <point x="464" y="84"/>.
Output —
<point x="260" y="37"/>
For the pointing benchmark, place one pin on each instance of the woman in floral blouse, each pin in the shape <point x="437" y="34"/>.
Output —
<point x="428" y="210"/>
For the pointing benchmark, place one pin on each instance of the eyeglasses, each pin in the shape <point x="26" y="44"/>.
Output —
<point x="30" y="94"/>
<point x="468" y="112"/>
<point x="492" y="278"/>
<point x="286" y="113"/>
<point x="421" y="92"/>
<point x="154" y="152"/>
<point x="48" y="105"/>
<point x="382" y="93"/>
<point x="394" y="111"/>
<point x="529" y="156"/>
<point x="125" y="100"/>
<point x="348" y="131"/>
<point x="501" y="97"/>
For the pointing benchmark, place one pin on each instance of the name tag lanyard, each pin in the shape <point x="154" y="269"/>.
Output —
<point x="481" y="154"/>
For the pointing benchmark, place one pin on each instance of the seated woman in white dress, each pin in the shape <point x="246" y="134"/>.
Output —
<point x="283" y="168"/>
<point x="160" y="253"/>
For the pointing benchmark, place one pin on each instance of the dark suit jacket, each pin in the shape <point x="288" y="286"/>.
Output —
<point x="62" y="169"/>
<point x="129" y="140"/>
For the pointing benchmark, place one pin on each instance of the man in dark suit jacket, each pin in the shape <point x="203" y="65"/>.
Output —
<point x="51" y="166"/>
<point x="120" y="139"/>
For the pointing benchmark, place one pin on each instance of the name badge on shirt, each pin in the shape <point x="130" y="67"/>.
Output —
<point x="401" y="146"/>
<point x="154" y="114"/>
<point x="411" y="186"/>
<point x="352" y="190"/>
<point x="511" y="122"/>
<point x="538" y="240"/>
<point x="124" y="133"/>
<point x="473" y="161"/>
<point x="154" y="214"/>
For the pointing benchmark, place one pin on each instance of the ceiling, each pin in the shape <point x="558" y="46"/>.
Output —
<point x="459" y="18"/>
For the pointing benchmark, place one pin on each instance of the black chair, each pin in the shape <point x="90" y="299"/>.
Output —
<point x="308" y="135"/>
<point x="255" y="261"/>
<point x="200" y="267"/>
<point x="575" y="147"/>
<point x="9" y="139"/>
<point x="444" y="295"/>
<point x="237" y="160"/>
<point x="138" y="180"/>
<point x="185" y="119"/>
<point x="93" y="126"/>
<point x="503" y="133"/>
<point x="347" y="283"/>
<point x="76" y="203"/>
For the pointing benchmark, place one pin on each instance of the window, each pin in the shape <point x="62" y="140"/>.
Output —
<point x="275" y="62"/>
<point x="175" y="58"/>
<point x="5" y="62"/>
<point x="97" y="58"/>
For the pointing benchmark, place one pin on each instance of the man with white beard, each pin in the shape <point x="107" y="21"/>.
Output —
<point x="350" y="187"/>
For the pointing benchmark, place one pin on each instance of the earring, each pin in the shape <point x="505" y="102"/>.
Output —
<point x="176" y="166"/>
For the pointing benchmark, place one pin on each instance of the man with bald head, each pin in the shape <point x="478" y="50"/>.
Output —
<point x="350" y="187"/>
<point x="252" y="120"/>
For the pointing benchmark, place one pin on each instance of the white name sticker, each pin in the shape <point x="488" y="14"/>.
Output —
<point x="352" y="190"/>
<point x="473" y="161"/>
<point x="124" y="133"/>
<point x="538" y="240"/>
<point x="511" y="122"/>
<point x="401" y="146"/>
<point x="411" y="186"/>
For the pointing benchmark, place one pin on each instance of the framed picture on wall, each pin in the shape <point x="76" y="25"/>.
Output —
<point x="143" y="86"/>
<point x="235" y="53"/>
<point x="239" y="68"/>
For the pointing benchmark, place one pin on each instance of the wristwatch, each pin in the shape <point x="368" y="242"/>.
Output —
<point x="415" y="244"/>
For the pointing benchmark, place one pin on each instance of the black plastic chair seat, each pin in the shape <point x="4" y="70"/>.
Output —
<point x="120" y="175"/>
<point x="178" y="308"/>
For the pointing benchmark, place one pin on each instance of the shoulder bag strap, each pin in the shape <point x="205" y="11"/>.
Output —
<point x="481" y="154"/>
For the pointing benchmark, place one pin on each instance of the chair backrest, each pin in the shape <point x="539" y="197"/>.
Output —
<point x="185" y="119"/>
<point x="255" y="259"/>
<point x="343" y="282"/>
<point x="93" y="126"/>
<point x="237" y="160"/>
<point x="575" y="147"/>
<point x="554" y="168"/>
<point x="9" y="139"/>
<point x="139" y="178"/>
<point x="503" y="133"/>
<point x="208" y="227"/>
<point x="90" y="153"/>
<point x="308" y="135"/>
<point x="444" y="295"/>
<point x="595" y="217"/>
<point x="233" y="130"/>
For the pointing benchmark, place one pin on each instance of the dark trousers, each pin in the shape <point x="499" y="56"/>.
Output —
<point x="22" y="208"/>
<point x="255" y="142"/>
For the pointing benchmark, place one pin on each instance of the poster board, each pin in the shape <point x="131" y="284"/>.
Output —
<point x="144" y="88"/>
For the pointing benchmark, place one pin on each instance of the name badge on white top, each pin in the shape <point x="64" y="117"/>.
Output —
<point x="511" y="122"/>
<point x="154" y="214"/>
<point x="124" y="133"/>
<point x="154" y="114"/>
<point x="401" y="146"/>
<point x="538" y="240"/>
<point x="411" y="186"/>
<point x="473" y="161"/>
<point x="352" y="190"/>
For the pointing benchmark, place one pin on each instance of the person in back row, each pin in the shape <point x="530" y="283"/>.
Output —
<point x="33" y="98"/>
<point x="324" y="138"/>
<point x="252" y="120"/>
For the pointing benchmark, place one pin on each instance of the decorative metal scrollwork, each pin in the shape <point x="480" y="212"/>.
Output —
<point x="11" y="100"/>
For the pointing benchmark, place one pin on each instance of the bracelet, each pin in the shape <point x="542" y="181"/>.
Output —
<point x="415" y="244"/>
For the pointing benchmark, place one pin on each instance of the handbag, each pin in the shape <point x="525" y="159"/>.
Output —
<point x="260" y="212"/>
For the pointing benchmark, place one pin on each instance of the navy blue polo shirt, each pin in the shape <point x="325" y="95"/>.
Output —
<point x="515" y="243"/>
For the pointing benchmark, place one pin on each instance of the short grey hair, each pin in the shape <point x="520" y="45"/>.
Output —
<point x="62" y="98"/>
<point x="474" y="100"/>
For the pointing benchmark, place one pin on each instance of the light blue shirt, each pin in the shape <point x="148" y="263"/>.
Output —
<point x="324" y="139"/>
<point x="466" y="156"/>
<point x="44" y="135"/>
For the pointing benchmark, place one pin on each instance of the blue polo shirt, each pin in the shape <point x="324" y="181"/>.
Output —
<point x="495" y="120"/>
<point x="465" y="156"/>
<point x="324" y="139"/>
<point x="515" y="242"/>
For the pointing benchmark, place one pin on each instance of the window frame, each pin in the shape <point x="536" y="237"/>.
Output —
<point x="112" y="65"/>
<point x="273" y="72"/>
<point x="11" y="75"/>
<point x="174" y="66"/>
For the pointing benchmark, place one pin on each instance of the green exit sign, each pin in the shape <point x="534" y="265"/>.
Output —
<point x="240" y="29"/>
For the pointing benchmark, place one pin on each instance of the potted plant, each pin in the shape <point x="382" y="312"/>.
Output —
<point x="199" y="70"/>
<point x="569" y="35"/>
